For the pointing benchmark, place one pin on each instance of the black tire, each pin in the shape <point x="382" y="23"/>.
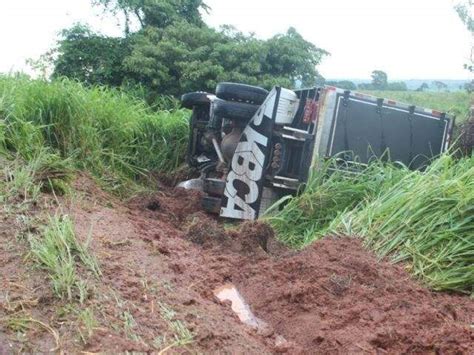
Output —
<point x="234" y="110"/>
<point x="214" y="187"/>
<point x="241" y="92"/>
<point x="192" y="99"/>
<point x="211" y="204"/>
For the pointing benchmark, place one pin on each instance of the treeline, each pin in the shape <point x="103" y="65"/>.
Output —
<point x="379" y="82"/>
<point x="167" y="49"/>
<point x="173" y="51"/>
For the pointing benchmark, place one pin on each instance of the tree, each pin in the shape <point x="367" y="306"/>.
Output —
<point x="176" y="52"/>
<point x="89" y="57"/>
<point x="156" y="13"/>
<point x="423" y="87"/>
<point x="182" y="58"/>
<point x="469" y="86"/>
<point x="464" y="10"/>
<point x="379" y="80"/>
<point x="440" y="85"/>
<point x="291" y="57"/>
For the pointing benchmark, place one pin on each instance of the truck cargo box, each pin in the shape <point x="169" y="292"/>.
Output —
<point x="368" y="127"/>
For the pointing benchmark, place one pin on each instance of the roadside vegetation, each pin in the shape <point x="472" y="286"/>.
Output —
<point x="50" y="131"/>
<point x="47" y="129"/>
<point x="329" y="192"/>
<point x="57" y="250"/>
<point x="425" y="219"/>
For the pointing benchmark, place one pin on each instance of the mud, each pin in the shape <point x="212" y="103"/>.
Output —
<point x="162" y="260"/>
<point x="337" y="298"/>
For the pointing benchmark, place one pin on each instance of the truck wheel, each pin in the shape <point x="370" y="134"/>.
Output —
<point x="211" y="204"/>
<point x="214" y="187"/>
<point x="194" y="99"/>
<point x="241" y="92"/>
<point x="234" y="110"/>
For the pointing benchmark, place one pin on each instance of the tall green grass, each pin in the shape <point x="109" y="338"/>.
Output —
<point x="104" y="131"/>
<point x="329" y="192"/>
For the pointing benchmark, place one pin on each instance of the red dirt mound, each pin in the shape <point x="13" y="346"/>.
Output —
<point x="335" y="297"/>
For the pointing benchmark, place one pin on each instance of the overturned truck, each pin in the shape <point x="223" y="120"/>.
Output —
<point x="252" y="146"/>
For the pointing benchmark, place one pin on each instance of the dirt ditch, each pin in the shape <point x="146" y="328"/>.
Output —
<point x="163" y="262"/>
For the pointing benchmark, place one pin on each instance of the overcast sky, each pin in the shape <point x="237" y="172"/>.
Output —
<point x="409" y="39"/>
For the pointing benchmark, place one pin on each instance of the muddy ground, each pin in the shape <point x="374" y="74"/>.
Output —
<point x="161" y="259"/>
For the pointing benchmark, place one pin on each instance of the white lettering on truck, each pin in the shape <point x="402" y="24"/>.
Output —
<point x="247" y="167"/>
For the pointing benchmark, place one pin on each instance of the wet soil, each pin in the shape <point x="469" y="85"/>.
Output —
<point x="162" y="260"/>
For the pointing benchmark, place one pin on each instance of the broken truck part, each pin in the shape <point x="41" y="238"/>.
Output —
<point x="253" y="147"/>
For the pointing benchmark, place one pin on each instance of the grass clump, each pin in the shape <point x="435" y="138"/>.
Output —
<point x="88" y="322"/>
<point x="104" y="131"/>
<point x="427" y="220"/>
<point x="331" y="190"/>
<point x="21" y="181"/>
<point x="181" y="335"/>
<point x="58" y="251"/>
<point x="21" y="323"/>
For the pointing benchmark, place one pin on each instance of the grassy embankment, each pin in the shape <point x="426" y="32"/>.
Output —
<point x="57" y="127"/>
<point x="49" y="131"/>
